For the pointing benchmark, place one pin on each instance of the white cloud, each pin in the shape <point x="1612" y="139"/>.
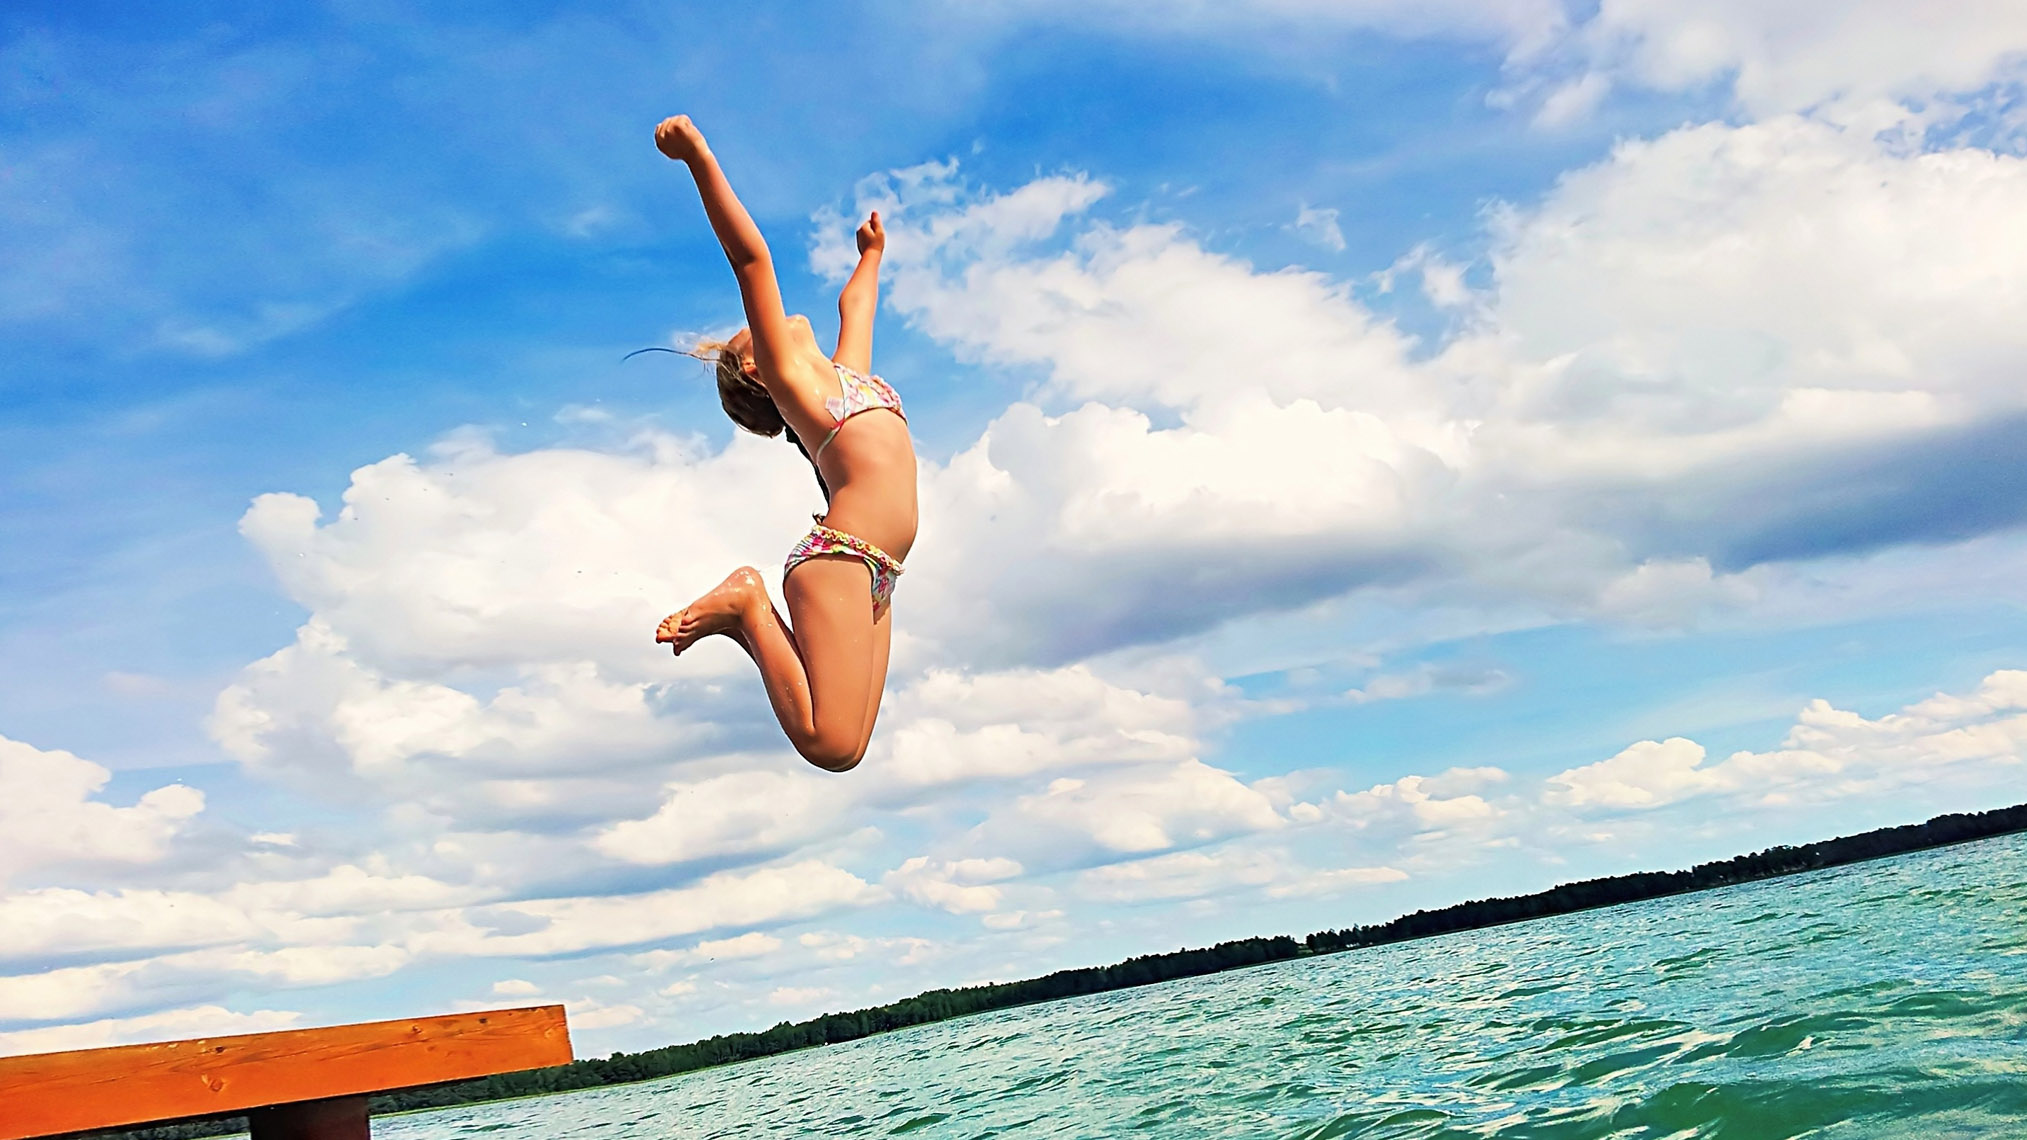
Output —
<point x="763" y="810"/>
<point x="68" y="992"/>
<point x="82" y="991"/>
<point x="1440" y="805"/>
<point x="1573" y="101"/>
<point x="1791" y="56"/>
<point x="300" y="965"/>
<point x="951" y="727"/>
<point x="64" y="920"/>
<point x="1830" y="753"/>
<point x="1647" y="774"/>
<point x="832" y="946"/>
<point x="1197" y="874"/>
<point x="1770" y="57"/>
<point x="752" y="944"/>
<point x="958" y="886"/>
<point x="481" y="630"/>
<point x="49" y="813"/>
<point x="1429" y="678"/>
<point x="1672" y="376"/>
<point x="1020" y="919"/>
<point x="1334" y="881"/>
<point x="169" y="1025"/>
<point x="797" y="995"/>
<point x="515" y="987"/>
<point x="592" y="1014"/>
<point x="568" y="925"/>
<point x="237" y="946"/>
<point x="1319" y="227"/>
<point x="1138" y="810"/>
<point x="1750" y="292"/>
<point x="347" y="889"/>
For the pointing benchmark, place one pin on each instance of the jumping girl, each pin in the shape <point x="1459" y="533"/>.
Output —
<point x="824" y="676"/>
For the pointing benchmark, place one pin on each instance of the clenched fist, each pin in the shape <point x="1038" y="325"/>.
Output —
<point x="679" y="138"/>
<point x="872" y="235"/>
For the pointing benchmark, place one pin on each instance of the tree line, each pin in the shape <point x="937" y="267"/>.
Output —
<point x="939" y="1005"/>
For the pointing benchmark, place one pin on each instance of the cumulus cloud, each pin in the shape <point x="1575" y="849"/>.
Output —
<point x="1318" y="226"/>
<point x="480" y="638"/>
<point x="1136" y="811"/>
<point x="1197" y="874"/>
<point x="1563" y="58"/>
<point x="1830" y="753"/>
<point x="1429" y="678"/>
<point x="50" y="813"/>
<point x="1769" y="58"/>
<point x="1572" y="101"/>
<point x="590" y="1013"/>
<point x="1647" y="774"/>
<point x="64" y="920"/>
<point x="762" y="810"/>
<point x="170" y="1024"/>
<point x="1672" y="377"/>
<point x="1794" y="56"/>
<point x="201" y="947"/>
<point x="752" y="944"/>
<point x="553" y="926"/>
<point x="832" y="946"/>
<point x="959" y="886"/>
<point x="1448" y="803"/>
<point x="952" y="726"/>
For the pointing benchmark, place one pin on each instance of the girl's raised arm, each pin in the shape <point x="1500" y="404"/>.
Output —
<point x="860" y="298"/>
<point x="679" y="139"/>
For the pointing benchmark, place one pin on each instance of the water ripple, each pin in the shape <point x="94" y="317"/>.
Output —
<point x="1742" y="1014"/>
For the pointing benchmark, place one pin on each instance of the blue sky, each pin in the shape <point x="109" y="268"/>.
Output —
<point x="1374" y="455"/>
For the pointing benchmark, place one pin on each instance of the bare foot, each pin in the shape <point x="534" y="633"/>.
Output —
<point x="716" y="612"/>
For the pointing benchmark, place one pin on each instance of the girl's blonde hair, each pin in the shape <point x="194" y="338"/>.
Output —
<point x="742" y="396"/>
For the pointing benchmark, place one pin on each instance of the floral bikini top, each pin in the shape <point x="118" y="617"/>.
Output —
<point x="860" y="394"/>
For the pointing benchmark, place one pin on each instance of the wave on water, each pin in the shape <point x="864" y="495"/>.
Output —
<point x="1884" y="999"/>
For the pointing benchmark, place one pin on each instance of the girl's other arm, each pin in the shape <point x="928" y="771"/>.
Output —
<point x="679" y="139"/>
<point x="860" y="299"/>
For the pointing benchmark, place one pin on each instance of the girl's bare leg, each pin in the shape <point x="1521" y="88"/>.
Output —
<point x="883" y="646"/>
<point x="819" y="676"/>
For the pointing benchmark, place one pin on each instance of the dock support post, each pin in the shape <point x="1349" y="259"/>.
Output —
<point x="340" y="1118"/>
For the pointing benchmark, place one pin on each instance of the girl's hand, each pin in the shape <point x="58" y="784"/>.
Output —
<point x="872" y="235"/>
<point x="679" y="138"/>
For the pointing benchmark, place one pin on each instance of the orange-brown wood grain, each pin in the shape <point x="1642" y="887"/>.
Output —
<point x="50" y="1093"/>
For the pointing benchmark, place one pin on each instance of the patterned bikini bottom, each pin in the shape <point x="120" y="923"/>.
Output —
<point x="823" y="540"/>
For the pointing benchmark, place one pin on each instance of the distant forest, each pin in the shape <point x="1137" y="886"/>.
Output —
<point x="937" y="1005"/>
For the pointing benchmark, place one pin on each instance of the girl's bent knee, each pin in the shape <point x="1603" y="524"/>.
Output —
<point x="833" y="748"/>
<point x="832" y="759"/>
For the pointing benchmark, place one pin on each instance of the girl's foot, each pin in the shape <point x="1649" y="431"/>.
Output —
<point x="719" y="611"/>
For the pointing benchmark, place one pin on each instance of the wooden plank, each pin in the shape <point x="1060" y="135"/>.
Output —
<point x="50" y="1093"/>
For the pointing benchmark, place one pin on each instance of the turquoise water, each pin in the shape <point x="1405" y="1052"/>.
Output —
<point x="1887" y="999"/>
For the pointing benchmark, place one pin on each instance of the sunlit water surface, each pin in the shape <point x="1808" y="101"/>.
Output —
<point x="1887" y="999"/>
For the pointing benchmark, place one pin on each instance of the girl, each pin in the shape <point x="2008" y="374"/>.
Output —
<point x="824" y="676"/>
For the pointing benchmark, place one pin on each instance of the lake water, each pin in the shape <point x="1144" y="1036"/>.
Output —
<point x="1887" y="999"/>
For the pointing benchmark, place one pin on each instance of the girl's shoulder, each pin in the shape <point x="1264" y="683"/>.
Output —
<point x="806" y="381"/>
